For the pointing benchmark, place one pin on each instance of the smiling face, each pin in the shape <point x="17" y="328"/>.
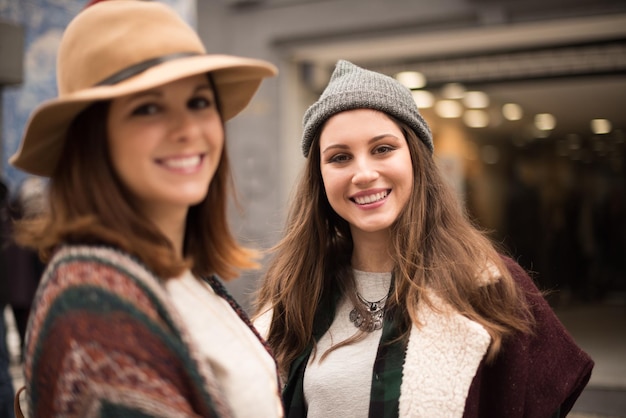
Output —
<point x="366" y="168"/>
<point x="165" y="144"/>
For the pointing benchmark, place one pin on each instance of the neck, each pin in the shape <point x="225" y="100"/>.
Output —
<point x="172" y="225"/>
<point x="371" y="254"/>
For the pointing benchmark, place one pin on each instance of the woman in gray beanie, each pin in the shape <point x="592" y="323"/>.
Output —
<point x="382" y="299"/>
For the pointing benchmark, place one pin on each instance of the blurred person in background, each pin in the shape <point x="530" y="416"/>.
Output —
<point x="130" y="317"/>
<point x="25" y="267"/>
<point x="383" y="299"/>
<point x="6" y="383"/>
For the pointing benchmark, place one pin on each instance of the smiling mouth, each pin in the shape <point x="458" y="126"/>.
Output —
<point x="365" y="200"/>
<point x="182" y="163"/>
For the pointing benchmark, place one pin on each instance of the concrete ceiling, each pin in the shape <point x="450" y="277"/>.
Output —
<point x="589" y="93"/>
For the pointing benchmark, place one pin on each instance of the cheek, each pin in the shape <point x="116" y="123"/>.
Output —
<point x="408" y="180"/>
<point x="215" y="136"/>
<point x="121" y="164"/>
<point x="126" y="152"/>
<point x="117" y="150"/>
<point x="326" y="182"/>
<point x="218" y="141"/>
<point x="333" y="188"/>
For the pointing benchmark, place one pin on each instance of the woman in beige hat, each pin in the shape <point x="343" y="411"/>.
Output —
<point x="130" y="318"/>
<point x="395" y="305"/>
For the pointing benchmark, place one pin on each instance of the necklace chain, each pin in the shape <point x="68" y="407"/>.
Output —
<point x="375" y="310"/>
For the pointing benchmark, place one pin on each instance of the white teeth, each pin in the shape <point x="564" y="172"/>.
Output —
<point x="363" y="200"/>
<point x="186" y="162"/>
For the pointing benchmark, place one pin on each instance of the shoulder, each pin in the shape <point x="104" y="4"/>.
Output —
<point x="106" y="267"/>
<point x="491" y="272"/>
<point x="506" y="270"/>
<point x="548" y="363"/>
<point x="540" y="309"/>
<point x="100" y="310"/>
<point x="83" y="284"/>
<point x="98" y="280"/>
<point x="97" y="255"/>
<point x="519" y="274"/>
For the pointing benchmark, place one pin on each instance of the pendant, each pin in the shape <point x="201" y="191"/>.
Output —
<point x="374" y="319"/>
<point x="373" y="323"/>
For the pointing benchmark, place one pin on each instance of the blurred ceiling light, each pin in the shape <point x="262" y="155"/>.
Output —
<point x="453" y="91"/>
<point x="600" y="126"/>
<point x="476" y="100"/>
<point x="476" y="118"/>
<point x="512" y="111"/>
<point x="411" y="79"/>
<point x="423" y="99"/>
<point x="545" y="121"/>
<point x="448" y="109"/>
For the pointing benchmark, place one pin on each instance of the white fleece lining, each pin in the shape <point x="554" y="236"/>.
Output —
<point x="442" y="358"/>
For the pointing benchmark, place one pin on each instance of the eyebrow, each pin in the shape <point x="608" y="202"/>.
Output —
<point x="369" y="142"/>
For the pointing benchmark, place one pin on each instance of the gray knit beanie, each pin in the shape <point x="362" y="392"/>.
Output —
<point x="352" y="87"/>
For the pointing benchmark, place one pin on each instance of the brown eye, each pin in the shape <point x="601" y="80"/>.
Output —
<point x="199" y="103"/>
<point x="383" y="149"/>
<point x="146" y="109"/>
<point x="338" y="158"/>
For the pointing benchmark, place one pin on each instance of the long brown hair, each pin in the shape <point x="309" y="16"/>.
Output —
<point x="435" y="246"/>
<point x="88" y="204"/>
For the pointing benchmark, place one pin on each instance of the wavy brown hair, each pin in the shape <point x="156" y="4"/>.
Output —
<point x="434" y="246"/>
<point x="88" y="204"/>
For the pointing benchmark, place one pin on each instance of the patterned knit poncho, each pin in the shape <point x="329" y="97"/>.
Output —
<point x="104" y="340"/>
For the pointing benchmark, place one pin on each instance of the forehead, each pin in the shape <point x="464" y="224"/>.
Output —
<point x="358" y="124"/>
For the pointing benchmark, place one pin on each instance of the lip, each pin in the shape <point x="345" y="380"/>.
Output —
<point x="371" y="198"/>
<point x="182" y="164"/>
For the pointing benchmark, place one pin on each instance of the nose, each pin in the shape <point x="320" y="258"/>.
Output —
<point x="184" y="126"/>
<point x="365" y="172"/>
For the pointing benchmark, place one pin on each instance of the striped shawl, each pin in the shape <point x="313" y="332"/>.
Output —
<point x="104" y="340"/>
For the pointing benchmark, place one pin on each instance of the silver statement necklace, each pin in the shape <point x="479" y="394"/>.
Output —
<point x="375" y="314"/>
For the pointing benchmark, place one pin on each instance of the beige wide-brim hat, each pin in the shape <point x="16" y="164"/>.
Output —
<point x="115" y="48"/>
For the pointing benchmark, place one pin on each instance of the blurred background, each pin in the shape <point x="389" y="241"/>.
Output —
<point x="526" y="101"/>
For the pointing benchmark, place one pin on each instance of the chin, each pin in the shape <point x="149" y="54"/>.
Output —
<point x="374" y="228"/>
<point x="196" y="201"/>
<point x="191" y="197"/>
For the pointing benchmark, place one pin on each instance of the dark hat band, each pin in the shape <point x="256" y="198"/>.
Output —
<point x="135" y="69"/>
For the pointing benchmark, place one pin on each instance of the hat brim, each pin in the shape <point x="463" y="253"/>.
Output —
<point x="236" y="81"/>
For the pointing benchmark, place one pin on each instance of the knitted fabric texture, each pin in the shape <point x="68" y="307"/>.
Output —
<point x="352" y="87"/>
<point x="105" y="340"/>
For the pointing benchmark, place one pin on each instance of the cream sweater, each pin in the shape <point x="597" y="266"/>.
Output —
<point x="245" y="370"/>
<point x="339" y="386"/>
